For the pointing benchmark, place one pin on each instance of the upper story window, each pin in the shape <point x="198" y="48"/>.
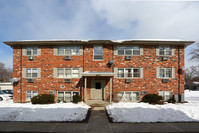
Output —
<point x="31" y="72"/>
<point x="128" y="50"/>
<point x="98" y="52"/>
<point x="68" y="50"/>
<point x="31" y="51"/>
<point x="165" y="73"/>
<point x="67" y="72"/>
<point x="129" y="72"/>
<point x="164" y="50"/>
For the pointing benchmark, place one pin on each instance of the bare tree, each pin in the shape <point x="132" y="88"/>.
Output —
<point x="191" y="75"/>
<point x="5" y="73"/>
<point x="195" y="53"/>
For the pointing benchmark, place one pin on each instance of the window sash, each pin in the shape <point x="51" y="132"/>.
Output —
<point x="30" y="94"/>
<point x="66" y="95"/>
<point x="128" y="50"/>
<point x="68" y="50"/>
<point x="128" y="72"/>
<point x="165" y="72"/>
<point x="31" y="51"/>
<point x="98" y="52"/>
<point x="164" y="51"/>
<point x="31" y="72"/>
<point x="67" y="72"/>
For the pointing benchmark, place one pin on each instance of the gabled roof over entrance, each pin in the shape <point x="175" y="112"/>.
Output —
<point x="128" y="41"/>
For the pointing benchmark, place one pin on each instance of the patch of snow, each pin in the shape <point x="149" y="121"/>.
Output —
<point x="196" y="83"/>
<point x="143" y="112"/>
<point x="10" y="111"/>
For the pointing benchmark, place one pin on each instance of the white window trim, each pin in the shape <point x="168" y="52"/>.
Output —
<point x="165" y="73"/>
<point x="131" y="92"/>
<point x="65" y="94"/>
<point x="32" y="73"/>
<point x="24" y="50"/>
<point x="171" y="47"/>
<point x="131" y="72"/>
<point x="102" y="53"/>
<point x="31" y="95"/>
<point x="71" y="50"/>
<point x="131" y="50"/>
<point x="71" y="69"/>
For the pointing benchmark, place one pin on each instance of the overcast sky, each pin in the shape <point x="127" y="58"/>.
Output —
<point x="96" y="19"/>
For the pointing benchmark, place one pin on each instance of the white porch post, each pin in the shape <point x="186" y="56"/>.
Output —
<point x="85" y="86"/>
<point x="111" y="85"/>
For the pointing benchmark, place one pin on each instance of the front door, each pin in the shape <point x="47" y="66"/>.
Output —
<point x="97" y="89"/>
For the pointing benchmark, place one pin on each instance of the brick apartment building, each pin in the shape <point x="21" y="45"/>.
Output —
<point x="98" y="69"/>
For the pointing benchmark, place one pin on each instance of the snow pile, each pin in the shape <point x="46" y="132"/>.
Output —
<point x="52" y="112"/>
<point x="143" y="112"/>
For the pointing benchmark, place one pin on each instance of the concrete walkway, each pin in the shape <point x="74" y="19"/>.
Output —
<point x="98" y="123"/>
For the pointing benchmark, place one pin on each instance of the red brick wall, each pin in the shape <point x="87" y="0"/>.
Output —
<point x="47" y="61"/>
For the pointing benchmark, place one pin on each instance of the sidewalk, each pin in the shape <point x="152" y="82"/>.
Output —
<point x="98" y="123"/>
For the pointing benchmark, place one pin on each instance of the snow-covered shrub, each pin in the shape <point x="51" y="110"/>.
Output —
<point x="77" y="98"/>
<point x="43" y="99"/>
<point x="152" y="98"/>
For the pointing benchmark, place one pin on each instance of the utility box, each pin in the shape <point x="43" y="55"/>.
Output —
<point x="176" y="98"/>
<point x="182" y="98"/>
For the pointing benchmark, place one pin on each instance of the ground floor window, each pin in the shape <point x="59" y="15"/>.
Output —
<point x="129" y="95"/>
<point x="30" y="94"/>
<point x="66" y="95"/>
<point x="165" y="94"/>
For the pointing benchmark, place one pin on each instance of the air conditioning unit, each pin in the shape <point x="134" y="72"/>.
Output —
<point x="30" y="57"/>
<point x="165" y="57"/>
<point x="165" y="80"/>
<point x="128" y="57"/>
<point x="67" y="80"/>
<point x="128" y="80"/>
<point x="67" y="57"/>
<point x="30" y="80"/>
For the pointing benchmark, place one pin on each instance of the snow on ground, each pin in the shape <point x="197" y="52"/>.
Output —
<point x="10" y="111"/>
<point x="143" y="112"/>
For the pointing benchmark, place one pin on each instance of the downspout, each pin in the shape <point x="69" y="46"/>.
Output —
<point x="21" y="78"/>
<point x="178" y="73"/>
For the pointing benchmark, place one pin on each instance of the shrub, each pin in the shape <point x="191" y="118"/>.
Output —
<point x="152" y="98"/>
<point x="171" y="100"/>
<point x="77" y="98"/>
<point x="43" y="99"/>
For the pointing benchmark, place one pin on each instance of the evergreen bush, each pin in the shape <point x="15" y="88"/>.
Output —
<point x="152" y="98"/>
<point x="43" y="99"/>
<point x="77" y="98"/>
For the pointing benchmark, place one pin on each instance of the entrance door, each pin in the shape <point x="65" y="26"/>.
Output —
<point x="97" y="89"/>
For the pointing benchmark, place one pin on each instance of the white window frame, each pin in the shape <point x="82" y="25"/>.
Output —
<point x="132" y="50"/>
<point x="31" y="77"/>
<point x="31" y="95"/>
<point x="125" y="73"/>
<point x="165" y="97"/>
<point x="134" y="99"/>
<point x="165" y="71"/>
<point x="98" y="55"/>
<point x="71" y="50"/>
<point x="71" y="73"/>
<point x="31" y="50"/>
<point x="165" y="50"/>
<point x="71" y="94"/>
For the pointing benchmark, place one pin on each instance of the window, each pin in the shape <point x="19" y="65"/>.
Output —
<point x="67" y="72"/>
<point x="98" y="52"/>
<point x="164" y="51"/>
<point x="52" y="92"/>
<point x="31" y="72"/>
<point x="68" y="50"/>
<point x="165" y="72"/>
<point x="144" y="92"/>
<point x="67" y="95"/>
<point x="129" y="96"/>
<point x="165" y="94"/>
<point x="31" y="51"/>
<point x="128" y="72"/>
<point x="128" y="50"/>
<point x="30" y="94"/>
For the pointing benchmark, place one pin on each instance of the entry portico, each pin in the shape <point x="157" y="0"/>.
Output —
<point x="98" y="82"/>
